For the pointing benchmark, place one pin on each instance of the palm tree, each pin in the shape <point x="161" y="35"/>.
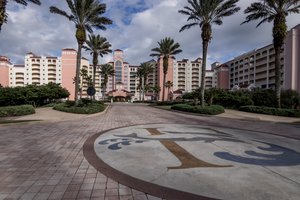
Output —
<point x="3" y="3"/>
<point x="168" y="85"/>
<point x="166" y="50"/>
<point x="143" y="72"/>
<point x="98" y="46"/>
<point x="205" y="13"/>
<point x="106" y="71"/>
<point x="85" y="77"/>
<point x="85" y="14"/>
<point x="156" y="90"/>
<point x="276" y="11"/>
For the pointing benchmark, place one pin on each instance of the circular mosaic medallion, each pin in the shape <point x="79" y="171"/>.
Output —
<point x="176" y="161"/>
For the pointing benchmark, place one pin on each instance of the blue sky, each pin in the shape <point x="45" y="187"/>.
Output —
<point x="138" y="25"/>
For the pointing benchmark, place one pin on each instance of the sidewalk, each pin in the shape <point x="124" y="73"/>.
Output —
<point x="235" y="114"/>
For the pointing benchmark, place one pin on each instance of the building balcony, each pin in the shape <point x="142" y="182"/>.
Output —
<point x="19" y="74"/>
<point x="52" y="70"/>
<point x="36" y="75"/>
<point x="20" y="78"/>
<point x="51" y="79"/>
<point x="19" y="83"/>
<point x="34" y="66"/>
<point x="52" y="76"/>
<point x="35" y="70"/>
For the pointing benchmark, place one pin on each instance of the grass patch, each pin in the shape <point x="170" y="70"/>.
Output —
<point x="82" y="108"/>
<point x="11" y="111"/>
<point x="207" y="110"/>
<point x="271" y="111"/>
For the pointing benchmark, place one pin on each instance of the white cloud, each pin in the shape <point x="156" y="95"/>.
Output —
<point x="34" y="29"/>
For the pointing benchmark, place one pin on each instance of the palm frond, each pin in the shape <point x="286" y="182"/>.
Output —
<point x="24" y="2"/>
<point x="60" y="12"/>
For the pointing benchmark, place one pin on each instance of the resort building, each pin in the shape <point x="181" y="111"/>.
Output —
<point x="187" y="75"/>
<point x="5" y="66"/>
<point x="252" y="69"/>
<point x="257" y="67"/>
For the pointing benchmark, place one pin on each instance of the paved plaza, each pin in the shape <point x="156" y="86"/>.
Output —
<point x="139" y="152"/>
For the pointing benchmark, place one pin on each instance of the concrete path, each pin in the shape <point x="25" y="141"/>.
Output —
<point x="45" y="160"/>
<point x="253" y="116"/>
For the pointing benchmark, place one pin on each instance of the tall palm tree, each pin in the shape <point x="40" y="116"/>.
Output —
<point x="98" y="46"/>
<point x="156" y="90"/>
<point x="3" y="3"/>
<point x="205" y="13"/>
<point x="168" y="85"/>
<point x="85" y="78"/>
<point x="85" y="14"/>
<point x="166" y="50"/>
<point x="274" y="11"/>
<point x="106" y="70"/>
<point x="143" y="72"/>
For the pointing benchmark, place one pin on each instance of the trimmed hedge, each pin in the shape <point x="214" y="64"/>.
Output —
<point x="207" y="110"/>
<point x="82" y="108"/>
<point x="271" y="111"/>
<point x="167" y="103"/>
<point x="10" y="111"/>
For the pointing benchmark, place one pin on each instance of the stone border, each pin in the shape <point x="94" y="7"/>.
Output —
<point x="149" y="188"/>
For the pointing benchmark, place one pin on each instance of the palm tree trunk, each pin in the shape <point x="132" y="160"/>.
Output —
<point x="205" y="47"/>
<point x="77" y="72"/>
<point x="104" y="86"/>
<point x="95" y="63"/>
<point x="163" y="90"/>
<point x="143" y="89"/>
<point x="165" y="70"/>
<point x="277" y="75"/>
<point x="104" y="89"/>
<point x="94" y="79"/>
<point x="279" y="34"/>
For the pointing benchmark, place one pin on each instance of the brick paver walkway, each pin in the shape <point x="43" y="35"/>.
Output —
<point x="45" y="160"/>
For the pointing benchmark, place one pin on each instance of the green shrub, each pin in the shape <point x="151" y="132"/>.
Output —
<point x="290" y="99"/>
<point x="208" y="110"/>
<point x="232" y="99"/>
<point x="36" y="95"/>
<point x="271" y="111"/>
<point x="85" y="109"/>
<point x="10" y="111"/>
<point x="167" y="103"/>
<point x="264" y="98"/>
<point x="69" y="103"/>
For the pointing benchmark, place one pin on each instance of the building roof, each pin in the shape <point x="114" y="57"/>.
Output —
<point x="19" y="65"/>
<point x="5" y="59"/>
<point x="118" y="50"/>
<point x="69" y="49"/>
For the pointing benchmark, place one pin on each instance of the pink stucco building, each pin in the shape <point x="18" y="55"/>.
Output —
<point x="68" y="60"/>
<point x="292" y="59"/>
<point x="4" y="71"/>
